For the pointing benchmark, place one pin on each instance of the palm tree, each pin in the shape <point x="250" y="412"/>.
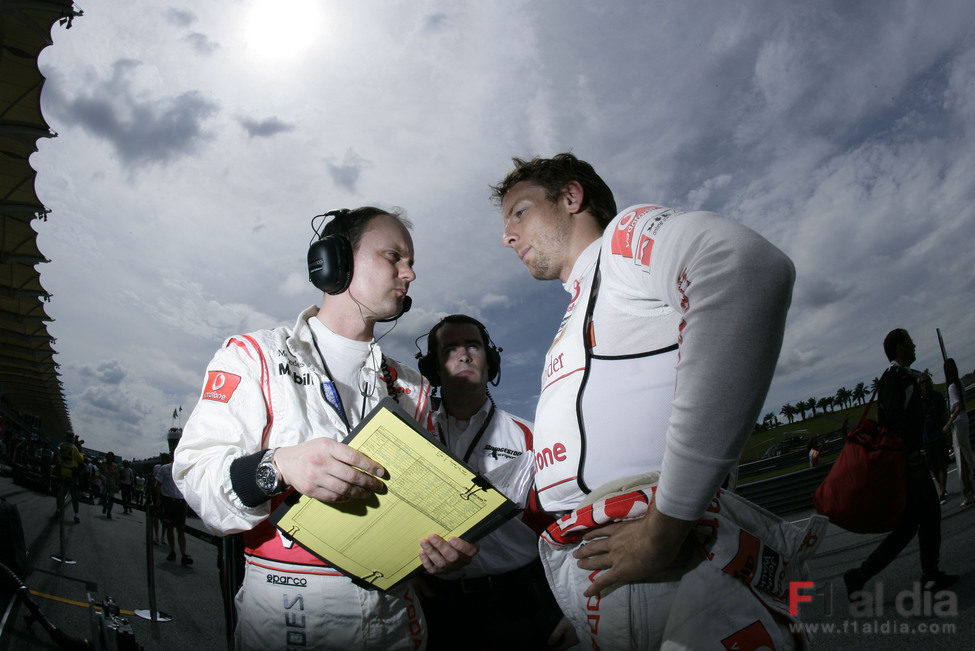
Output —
<point x="860" y="392"/>
<point x="801" y="406"/>
<point x="825" y="402"/>
<point x="788" y="411"/>
<point x="811" y="403"/>
<point x="843" y="396"/>
<point x="875" y="384"/>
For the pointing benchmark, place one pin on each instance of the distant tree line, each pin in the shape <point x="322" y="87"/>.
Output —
<point x="842" y="399"/>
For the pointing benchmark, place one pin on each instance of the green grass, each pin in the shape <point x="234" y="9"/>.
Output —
<point x="812" y="426"/>
<point x="822" y="423"/>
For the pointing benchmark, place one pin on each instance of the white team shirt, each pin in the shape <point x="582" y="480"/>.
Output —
<point x="686" y="326"/>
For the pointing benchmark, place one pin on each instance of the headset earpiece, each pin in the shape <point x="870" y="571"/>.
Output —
<point x="330" y="264"/>
<point x="427" y="365"/>
<point x="330" y="258"/>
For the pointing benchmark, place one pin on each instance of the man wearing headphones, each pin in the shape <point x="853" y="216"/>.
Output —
<point x="501" y="600"/>
<point x="274" y="406"/>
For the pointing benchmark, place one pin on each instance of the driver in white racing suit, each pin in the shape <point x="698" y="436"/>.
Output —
<point x="649" y="391"/>
<point x="275" y="405"/>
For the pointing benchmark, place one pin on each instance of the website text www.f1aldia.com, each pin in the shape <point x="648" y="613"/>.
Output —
<point x="873" y="627"/>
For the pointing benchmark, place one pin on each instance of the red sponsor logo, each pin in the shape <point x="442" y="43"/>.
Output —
<point x="416" y="628"/>
<point x="549" y="456"/>
<point x="622" y="243"/>
<point x="744" y="564"/>
<point x="753" y="636"/>
<point x="220" y="386"/>
<point x="643" y="251"/>
<point x="554" y="365"/>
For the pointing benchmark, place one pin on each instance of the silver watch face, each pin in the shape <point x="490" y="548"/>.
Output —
<point x="267" y="478"/>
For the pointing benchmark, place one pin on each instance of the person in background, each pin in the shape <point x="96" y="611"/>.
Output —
<point x="172" y="509"/>
<point x="139" y="492"/>
<point x="936" y="440"/>
<point x="899" y="409"/>
<point x="958" y="419"/>
<point x="110" y="482"/>
<point x="505" y="581"/>
<point x="126" y="478"/>
<point x="813" y="447"/>
<point x="71" y="465"/>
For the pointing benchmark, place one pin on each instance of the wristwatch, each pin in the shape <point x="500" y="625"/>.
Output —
<point x="269" y="480"/>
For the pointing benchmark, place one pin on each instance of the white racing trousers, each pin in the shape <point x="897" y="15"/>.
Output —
<point x="736" y="598"/>
<point x="286" y="606"/>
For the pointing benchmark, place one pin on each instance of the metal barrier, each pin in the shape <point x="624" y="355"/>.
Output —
<point x="792" y="491"/>
<point x="790" y="458"/>
<point x="786" y="493"/>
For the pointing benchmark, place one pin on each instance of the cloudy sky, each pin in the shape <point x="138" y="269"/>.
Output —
<point x="197" y="140"/>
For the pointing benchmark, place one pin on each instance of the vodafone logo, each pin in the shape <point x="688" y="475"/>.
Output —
<point x="220" y="386"/>
<point x="622" y="243"/>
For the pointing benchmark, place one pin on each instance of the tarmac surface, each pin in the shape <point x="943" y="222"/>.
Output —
<point x="111" y="559"/>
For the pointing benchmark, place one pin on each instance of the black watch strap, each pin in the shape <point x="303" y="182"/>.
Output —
<point x="243" y="477"/>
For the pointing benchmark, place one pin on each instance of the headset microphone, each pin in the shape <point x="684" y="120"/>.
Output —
<point x="407" y="304"/>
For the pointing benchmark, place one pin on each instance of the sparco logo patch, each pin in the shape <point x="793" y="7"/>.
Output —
<point x="278" y="579"/>
<point x="220" y="386"/>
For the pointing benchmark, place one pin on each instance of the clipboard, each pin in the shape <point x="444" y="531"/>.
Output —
<point x="375" y="541"/>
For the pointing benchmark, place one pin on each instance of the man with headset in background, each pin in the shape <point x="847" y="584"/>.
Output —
<point x="501" y="600"/>
<point x="274" y="406"/>
<point x="650" y="388"/>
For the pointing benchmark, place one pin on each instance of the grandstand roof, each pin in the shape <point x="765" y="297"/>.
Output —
<point x="30" y="385"/>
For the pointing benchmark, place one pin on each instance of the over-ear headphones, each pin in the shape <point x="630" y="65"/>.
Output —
<point x="428" y="364"/>
<point x="330" y="257"/>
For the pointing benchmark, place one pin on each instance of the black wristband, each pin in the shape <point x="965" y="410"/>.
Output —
<point x="243" y="477"/>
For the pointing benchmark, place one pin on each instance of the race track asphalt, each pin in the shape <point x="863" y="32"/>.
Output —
<point x="111" y="559"/>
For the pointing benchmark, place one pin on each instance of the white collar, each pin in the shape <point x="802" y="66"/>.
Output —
<point x="582" y="265"/>
<point x="445" y="419"/>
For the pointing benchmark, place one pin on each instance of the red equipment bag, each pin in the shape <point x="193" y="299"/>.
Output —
<point x="866" y="489"/>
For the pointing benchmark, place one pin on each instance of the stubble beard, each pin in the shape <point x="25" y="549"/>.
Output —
<point x="546" y="265"/>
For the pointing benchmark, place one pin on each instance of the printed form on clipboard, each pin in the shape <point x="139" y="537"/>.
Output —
<point x="376" y="540"/>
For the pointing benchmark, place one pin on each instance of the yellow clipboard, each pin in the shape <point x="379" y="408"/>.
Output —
<point x="376" y="540"/>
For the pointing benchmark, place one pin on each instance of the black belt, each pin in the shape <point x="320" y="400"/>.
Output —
<point x="511" y="580"/>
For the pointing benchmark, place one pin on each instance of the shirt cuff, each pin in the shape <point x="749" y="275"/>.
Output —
<point x="243" y="478"/>
<point x="688" y="483"/>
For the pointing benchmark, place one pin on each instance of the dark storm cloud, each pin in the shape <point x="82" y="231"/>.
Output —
<point x="180" y="18"/>
<point x="201" y="43"/>
<point x="113" y="402"/>
<point x="265" y="128"/>
<point x="105" y="373"/>
<point x="435" y="21"/>
<point x="346" y="174"/>
<point x="141" y="130"/>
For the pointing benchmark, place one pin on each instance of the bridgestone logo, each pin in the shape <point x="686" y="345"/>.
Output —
<point x="287" y="580"/>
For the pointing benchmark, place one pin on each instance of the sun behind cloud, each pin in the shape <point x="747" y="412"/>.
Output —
<point x="277" y="31"/>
